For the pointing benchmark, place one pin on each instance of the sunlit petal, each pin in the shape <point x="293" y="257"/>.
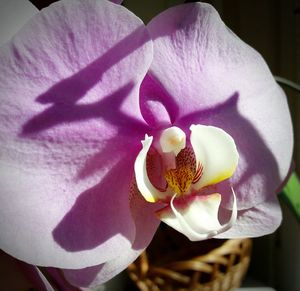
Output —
<point x="69" y="88"/>
<point x="216" y="152"/>
<point x="197" y="216"/>
<point x="145" y="223"/>
<point x="210" y="76"/>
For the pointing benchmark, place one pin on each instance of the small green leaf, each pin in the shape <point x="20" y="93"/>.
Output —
<point x="291" y="194"/>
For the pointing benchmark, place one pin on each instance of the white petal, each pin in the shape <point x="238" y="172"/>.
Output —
<point x="198" y="218"/>
<point x="13" y="15"/>
<point x="149" y="192"/>
<point x="172" y="139"/>
<point x="216" y="151"/>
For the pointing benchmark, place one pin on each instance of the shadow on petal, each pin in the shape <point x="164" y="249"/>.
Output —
<point x="112" y="150"/>
<point x="102" y="211"/>
<point x="145" y="223"/>
<point x="257" y="175"/>
<point x="82" y="277"/>
<point x="108" y="109"/>
<point x="64" y="95"/>
<point x="99" y="213"/>
<point x="152" y="92"/>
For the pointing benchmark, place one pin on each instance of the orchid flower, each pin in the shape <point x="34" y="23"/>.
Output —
<point x="189" y="173"/>
<point x="108" y="126"/>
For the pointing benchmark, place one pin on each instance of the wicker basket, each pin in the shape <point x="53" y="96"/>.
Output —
<point x="171" y="262"/>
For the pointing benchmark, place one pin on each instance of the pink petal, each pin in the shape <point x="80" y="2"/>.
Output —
<point x="155" y="102"/>
<point x="257" y="176"/>
<point x="70" y="128"/>
<point x="214" y="78"/>
<point x="13" y="15"/>
<point x="260" y="220"/>
<point x="146" y="225"/>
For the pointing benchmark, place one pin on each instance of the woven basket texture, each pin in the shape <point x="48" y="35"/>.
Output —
<point x="172" y="262"/>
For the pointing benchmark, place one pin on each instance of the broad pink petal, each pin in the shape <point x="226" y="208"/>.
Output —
<point x="13" y="15"/>
<point x="260" y="220"/>
<point x="154" y="102"/>
<point x="69" y="129"/>
<point x="214" y="78"/>
<point x="146" y="225"/>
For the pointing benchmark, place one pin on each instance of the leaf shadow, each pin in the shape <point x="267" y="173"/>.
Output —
<point x="102" y="211"/>
<point x="98" y="213"/>
<point x="258" y="165"/>
<point x="64" y="95"/>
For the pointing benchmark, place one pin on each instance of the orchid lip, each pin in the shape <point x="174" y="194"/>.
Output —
<point x="188" y="171"/>
<point x="192" y="234"/>
<point x="179" y="219"/>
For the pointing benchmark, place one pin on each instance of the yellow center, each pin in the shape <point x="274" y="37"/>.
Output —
<point x="185" y="173"/>
<point x="180" y="179"/>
